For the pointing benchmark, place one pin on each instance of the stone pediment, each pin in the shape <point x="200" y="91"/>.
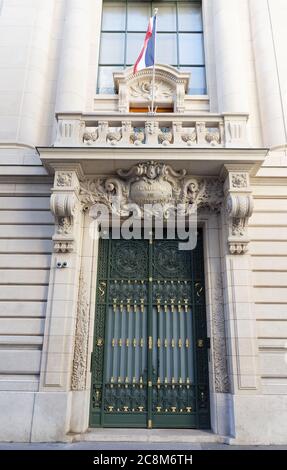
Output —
<point x="135" y="90"/>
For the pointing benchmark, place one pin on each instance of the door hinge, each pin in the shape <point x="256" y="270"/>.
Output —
<point x="150" y="342"/>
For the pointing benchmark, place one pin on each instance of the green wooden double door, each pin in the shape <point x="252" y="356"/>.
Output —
<point x="149" y="362"/>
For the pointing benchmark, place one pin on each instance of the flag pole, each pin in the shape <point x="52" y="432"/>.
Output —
<point x="153" y="70"/>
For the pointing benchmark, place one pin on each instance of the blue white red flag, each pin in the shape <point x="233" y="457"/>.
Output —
<point x="147" y="54"/>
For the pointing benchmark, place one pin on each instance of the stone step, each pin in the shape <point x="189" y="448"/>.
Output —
<point x="150" y="435"/>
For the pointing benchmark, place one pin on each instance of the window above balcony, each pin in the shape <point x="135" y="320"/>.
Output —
<point x="179" y="39"/>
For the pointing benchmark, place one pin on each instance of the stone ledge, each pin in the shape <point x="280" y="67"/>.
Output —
<point x="149" y="435"/>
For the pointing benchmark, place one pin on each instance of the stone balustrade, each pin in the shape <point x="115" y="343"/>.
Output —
<point x="211" y="130"/>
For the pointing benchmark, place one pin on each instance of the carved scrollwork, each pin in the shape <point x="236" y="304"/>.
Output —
<point x="90" y="137"/>
<point x="63" y="204"/>
<point x="114" y="137"/>
<point x="150" y="183"/>
<point x="239" y="207"/>
<point x="189" y="138"/>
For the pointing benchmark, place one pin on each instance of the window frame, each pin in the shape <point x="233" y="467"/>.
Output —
<point x="176" y="32"/>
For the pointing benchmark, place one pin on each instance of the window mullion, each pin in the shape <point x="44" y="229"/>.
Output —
<point x="126" y="36"/>
<point x="177" y="36"/>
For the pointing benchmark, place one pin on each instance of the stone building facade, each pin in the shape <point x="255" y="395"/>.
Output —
<point x="67" y="142"/>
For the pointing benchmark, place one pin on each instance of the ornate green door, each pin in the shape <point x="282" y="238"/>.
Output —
<point x="149" y="364"/>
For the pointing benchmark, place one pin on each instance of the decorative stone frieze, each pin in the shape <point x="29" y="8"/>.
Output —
<point x="150" y="183"/>
<point x="239" y="208"/>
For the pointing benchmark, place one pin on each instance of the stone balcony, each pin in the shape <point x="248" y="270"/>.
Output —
<point x="159" y="130"/>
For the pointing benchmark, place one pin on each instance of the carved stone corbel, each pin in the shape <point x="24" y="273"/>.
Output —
<point x="239" y="208"/>
<point x="64" y="204"/>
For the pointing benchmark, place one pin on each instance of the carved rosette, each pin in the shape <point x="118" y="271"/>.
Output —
<point x="63" y="204"/>
<point x="152" y="183"/>
<point x="79" y="373"/>
<point x="239" y="207"/>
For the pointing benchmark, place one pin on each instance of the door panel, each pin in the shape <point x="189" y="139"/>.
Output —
<point x="150" y="370"/>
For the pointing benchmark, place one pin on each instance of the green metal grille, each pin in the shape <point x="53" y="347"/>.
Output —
<point x="149" y="364"/>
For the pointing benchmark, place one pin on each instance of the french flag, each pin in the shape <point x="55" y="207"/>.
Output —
<point x="146" y="57"/>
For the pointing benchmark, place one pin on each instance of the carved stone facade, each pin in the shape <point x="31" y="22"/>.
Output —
<point x="152" y="183"/>
<point x="80" y="361"/>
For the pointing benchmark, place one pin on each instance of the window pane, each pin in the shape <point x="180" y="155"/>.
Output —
<point x="114" y="16"/>
<point x="197" y="82"/>
<point x="166" y="50"/>
<point x="135" y="43"/>
<point x="191" y="49"/>
<point x="138" y="16"/>
<point x="112" y="48"/>
<point x="189" y="17"/>
<point x="166" y="20"/>
<point x="105" y="79"/>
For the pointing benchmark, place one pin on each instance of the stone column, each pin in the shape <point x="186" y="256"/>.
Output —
<point x="33" y="114"/>
<point x="75" y="56"/>
<point x="268" y="22"/>
<point x="229" y="58"/>
<point x="66" y="298"/>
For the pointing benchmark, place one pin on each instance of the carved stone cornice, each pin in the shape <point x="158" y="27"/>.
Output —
<point x="151" y="183"/>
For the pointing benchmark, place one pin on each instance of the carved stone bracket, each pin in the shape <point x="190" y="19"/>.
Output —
<point x="64" y="204"/>
<point x="151" y="183"/>
<point x="239" y="207"/>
